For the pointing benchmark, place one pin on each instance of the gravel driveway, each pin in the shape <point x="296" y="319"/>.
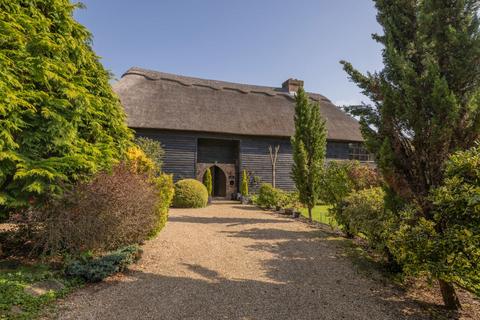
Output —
<point x="230" y="261"/>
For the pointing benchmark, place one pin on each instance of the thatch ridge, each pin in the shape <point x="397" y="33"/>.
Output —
<point x="158" y="100"/>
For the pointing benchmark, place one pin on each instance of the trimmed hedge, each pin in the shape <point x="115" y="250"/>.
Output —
<point x="190" y="193"/>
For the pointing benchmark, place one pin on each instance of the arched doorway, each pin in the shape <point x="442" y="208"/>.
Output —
<point x="219" y="181"/>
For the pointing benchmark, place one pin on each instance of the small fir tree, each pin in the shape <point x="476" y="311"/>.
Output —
<point x="425" y="104"/>
<point x="207" y="181"/>
<point x="244" y="184"/>
<point x="309" y="144"/>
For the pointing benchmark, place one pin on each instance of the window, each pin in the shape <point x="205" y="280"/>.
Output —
<point x="358" y="152"/>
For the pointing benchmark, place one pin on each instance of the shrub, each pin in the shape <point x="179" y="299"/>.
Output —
<point x="166" y="190"/>
<point x="363" y="176"/>
<point x="207" y="181"/>
<point x="96" y="269"/>
<point x="244" y="184"/>
<point x="447" y="247"/>
<point x="339" y="179"/>
<point x="113" y="210"/>
<point x="365" y="214"/>
<point x="140" y="163"/>
<point x="290" y="200"/>
<point x="268" y="196"/>
<point x="152" y="149"/>
<point x="190" y="193"/>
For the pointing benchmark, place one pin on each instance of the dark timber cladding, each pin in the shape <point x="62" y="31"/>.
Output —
<point x="252" y="154"/>
<point x="227" y="126"/>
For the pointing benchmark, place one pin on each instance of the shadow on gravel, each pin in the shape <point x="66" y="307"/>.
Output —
<point x="308" y="279"/>
<point x="308" y="276"/>
<point x="221" y="220"/>
<point x="215" y="297"/>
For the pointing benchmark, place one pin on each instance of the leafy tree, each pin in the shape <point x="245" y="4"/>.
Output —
<point x="244" y="184"/>
<point x="309" y="144"/>
<point x="425" y="100"/>
<point x="207" y="181"/>
<point x="153" y="149"/>
<point x="60" y="121"/>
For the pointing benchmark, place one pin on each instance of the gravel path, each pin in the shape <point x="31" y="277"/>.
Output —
<point x="229" y="261"/>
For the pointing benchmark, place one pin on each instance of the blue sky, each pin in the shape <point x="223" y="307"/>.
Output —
<point x="261" y="42"/>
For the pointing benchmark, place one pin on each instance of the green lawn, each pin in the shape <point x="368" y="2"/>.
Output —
<point x="320" y="214"/>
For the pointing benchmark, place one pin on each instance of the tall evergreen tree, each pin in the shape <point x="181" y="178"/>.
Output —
<point x="309" y="144"/>
<point x="59" y="118"/>
<point x="425" y="100"/>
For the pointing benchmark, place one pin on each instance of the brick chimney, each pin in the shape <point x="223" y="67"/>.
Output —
<point x="292" y="85"/>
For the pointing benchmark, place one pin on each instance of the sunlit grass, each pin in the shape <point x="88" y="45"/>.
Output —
<point x="320" y="214"/>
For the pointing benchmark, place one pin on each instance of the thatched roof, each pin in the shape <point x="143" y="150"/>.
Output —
<point x="158" y="100"/>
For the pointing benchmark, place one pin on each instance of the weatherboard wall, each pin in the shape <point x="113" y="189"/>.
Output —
<point x="252" y="154"/>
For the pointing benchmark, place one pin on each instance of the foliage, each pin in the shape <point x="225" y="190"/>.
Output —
<point x="244" y="184"/>
<point x="336" y="183"/>
<point x="140" y="163"/>
<point x="207" y="181"/>
<point x="112" y="210"/>
<point x="425" y="100"/>
<point x="289" y="200"/>
<point x="450" y="252"/>
<point x="92" y="269"/>
<point x="12" y="291"/>
<point x="363" y="176"/>
<point x="268" y="196"/>
<point x="153" y="150"/>
<point x="61" y="121"/>
<point x="166" y="190"/>
<point x="365" y="214"/>
<point x="190" y="193"/>
<point x="339" y="180"/>
<point x="309" y="147"/>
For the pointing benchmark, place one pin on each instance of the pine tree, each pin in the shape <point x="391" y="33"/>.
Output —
<point x="309" y="145"/>
<point x="207" y="181"/>
<point x="60" y="121"/>
<point x="425" y="100"/>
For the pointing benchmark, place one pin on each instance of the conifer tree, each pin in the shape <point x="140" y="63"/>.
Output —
<point x="207" y="181"/>
<point x="425" y="100"/>
<point x="308" y="144"/>
<point x="244" y="184"/>
<point x="60" y="121"/>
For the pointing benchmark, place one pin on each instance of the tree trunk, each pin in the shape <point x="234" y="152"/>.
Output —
<point x="450" y="298"/>
<point x="274" y="176"/>
<point x="310" y="214"/>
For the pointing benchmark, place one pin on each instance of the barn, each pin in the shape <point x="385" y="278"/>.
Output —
<point x="228" y="127"/>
